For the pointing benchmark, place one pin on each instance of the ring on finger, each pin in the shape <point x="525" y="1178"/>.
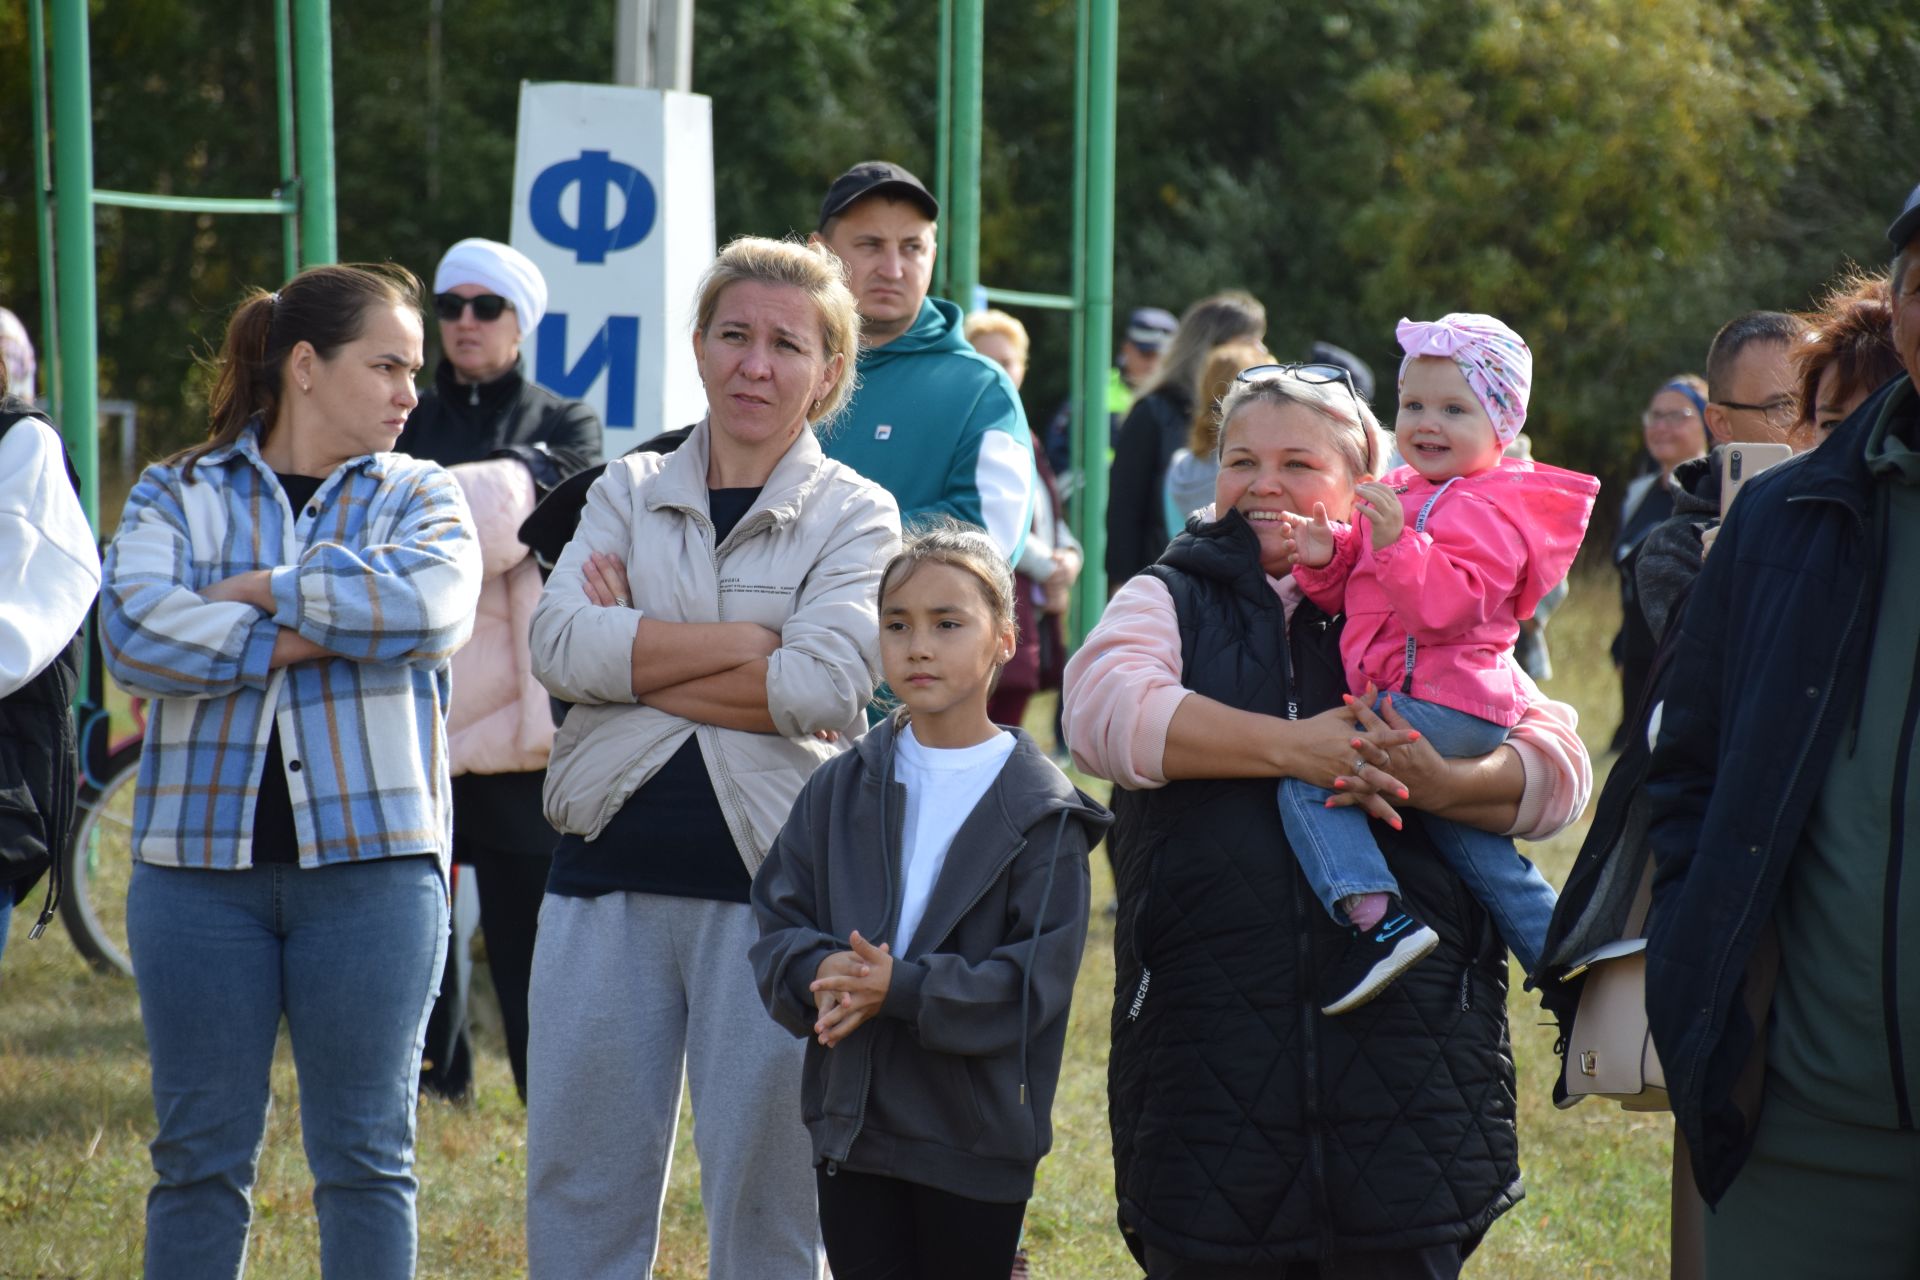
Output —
<point x="623" y="602"/>
<point x="1359" y="763"/>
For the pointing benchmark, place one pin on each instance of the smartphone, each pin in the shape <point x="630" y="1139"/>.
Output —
<point x="1740" y="463"/>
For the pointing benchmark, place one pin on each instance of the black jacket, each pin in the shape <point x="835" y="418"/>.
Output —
<point x="38" y="765"/>
<point x="1136" y="503"/>
<point x="952" y="1086"/>
<point x="1669" y="558"/>
<point x="1770" y="663"/>
<point x="1248" y="1128"/>
<point x="512" y="414"/>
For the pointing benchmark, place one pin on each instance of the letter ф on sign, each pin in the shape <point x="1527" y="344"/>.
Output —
<point x="615" y="348"/>
<point x="591" y="237"/>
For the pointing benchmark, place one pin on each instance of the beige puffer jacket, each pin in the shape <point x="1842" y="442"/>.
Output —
<point x="804" y="561"/>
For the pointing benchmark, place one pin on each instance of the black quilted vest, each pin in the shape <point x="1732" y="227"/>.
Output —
<point x="37" y="762"/>
<point x="1248" y="1128"/>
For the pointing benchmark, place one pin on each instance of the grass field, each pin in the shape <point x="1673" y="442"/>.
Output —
<point x="75" y="1116"/>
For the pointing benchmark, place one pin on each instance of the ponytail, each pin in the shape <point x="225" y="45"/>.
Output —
<point x="325" y="307"/>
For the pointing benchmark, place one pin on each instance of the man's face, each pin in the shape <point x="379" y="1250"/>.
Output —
<point x="1137" y="365"/>
<point x="1762" y="378"/>
<point x="888" y="248"/>
<point x="1906" y="309"/>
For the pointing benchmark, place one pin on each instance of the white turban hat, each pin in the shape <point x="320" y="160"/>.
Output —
<point x="501" y="268"/>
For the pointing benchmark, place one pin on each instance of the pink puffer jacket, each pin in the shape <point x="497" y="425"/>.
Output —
<point x="501" y="720"/>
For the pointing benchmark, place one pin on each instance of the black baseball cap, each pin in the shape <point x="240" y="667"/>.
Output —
<point x="1907" y="225"/>
<point x="876" y="177"/>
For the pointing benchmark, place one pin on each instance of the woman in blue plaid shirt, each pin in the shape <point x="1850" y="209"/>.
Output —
<point x="289" y="595"/>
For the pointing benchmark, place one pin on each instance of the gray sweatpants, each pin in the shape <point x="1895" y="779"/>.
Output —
<point x="627" y="989"/>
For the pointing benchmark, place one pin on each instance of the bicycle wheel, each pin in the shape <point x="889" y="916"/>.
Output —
<point x="99" y="865"/>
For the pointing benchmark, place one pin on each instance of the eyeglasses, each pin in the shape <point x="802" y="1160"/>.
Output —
<point x="1665" y="417"/>
<point x="1314" y="374"/>
<point x="1779" y="411"/>
<point x="486" y="306"/>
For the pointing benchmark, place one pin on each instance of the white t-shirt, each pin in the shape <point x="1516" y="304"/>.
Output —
<point x="943" y="786"/>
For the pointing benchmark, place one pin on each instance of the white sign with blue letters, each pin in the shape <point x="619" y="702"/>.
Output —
<point x="613" y="200"/>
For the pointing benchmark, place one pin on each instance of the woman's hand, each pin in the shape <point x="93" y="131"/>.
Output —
<point x="1410" y="771"/>
<point x="1308" y="540"/>
<point x="849" y="987"/>
<point x="254" y="587"/>
<point x="604" y="578"/>
<point x="1382" y="509"/>
<point x="1331" y="749"/>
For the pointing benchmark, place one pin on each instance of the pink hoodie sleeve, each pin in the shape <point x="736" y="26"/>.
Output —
<point x="1559" y="773"/>
<point x="1123" y="686"/>
<point x="1326" y="586"/>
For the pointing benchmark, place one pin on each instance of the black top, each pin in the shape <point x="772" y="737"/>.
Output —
<point x="458" y="422"/>
<point x="670" y="837"/>
<point x="274" y="836"/>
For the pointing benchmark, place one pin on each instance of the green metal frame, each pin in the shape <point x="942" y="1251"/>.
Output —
<point x="957" y="187"/>
<point x="64" y="205"/>
<point x="65" y="200"/>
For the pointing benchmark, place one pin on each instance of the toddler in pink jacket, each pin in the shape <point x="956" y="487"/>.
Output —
<point x="1443" y="559"/>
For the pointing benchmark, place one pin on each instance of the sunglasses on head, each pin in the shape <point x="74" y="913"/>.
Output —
<point x="486" y="306"/>
<point x="1316" y="374"/>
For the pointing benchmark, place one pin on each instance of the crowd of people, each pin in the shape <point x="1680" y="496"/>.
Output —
<point x="740" y="769"/>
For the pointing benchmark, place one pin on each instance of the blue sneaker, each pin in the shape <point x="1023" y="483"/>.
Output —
<point x="1373" y="958"/>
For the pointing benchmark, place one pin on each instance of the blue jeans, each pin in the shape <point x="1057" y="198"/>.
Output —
<point x="349" y="955"/>
<point x="1338" y="854"/>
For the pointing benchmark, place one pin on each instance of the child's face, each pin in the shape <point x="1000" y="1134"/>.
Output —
<point x="1442" y="428"/>
<point x="939" y="645"/>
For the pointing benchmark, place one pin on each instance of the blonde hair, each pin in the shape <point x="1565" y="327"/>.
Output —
<point x="1224" y="363"/>
<point x="966" y="547"/>
<point x="1358" y="439"/>
<point x="994" y="320"/>
<point x="816" y="272"/>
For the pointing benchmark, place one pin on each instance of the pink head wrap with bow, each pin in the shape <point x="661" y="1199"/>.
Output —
<point x="1494" y="359"/>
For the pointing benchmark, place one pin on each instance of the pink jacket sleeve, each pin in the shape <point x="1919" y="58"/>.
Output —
<point x="1441" y="588"/>
<point x="1559" y="773"/>
<point x="1123" y="686"/>
<point x="1327" y="585"/>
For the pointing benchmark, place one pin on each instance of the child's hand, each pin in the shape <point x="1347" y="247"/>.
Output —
<point x="1308" y="541"/>
<point x="849" y="988"/>
<point x="1382" y="509"/>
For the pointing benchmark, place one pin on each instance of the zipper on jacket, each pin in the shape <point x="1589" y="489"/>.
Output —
<point x="1309" y="1011"/>
<point x="1890" y="935"/>
<point x="1786" y="796"/>
<point x="892" y="822"/>
<point x="1466" y="990"/>
<point x="727" y="793"/>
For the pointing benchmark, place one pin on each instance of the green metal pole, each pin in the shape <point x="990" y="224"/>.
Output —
<point x="42" y="211"/>
<point x="283" y="104"/>
<point x="313" y="86"/>
<point x="1103" y="64"/>
<point x="963" y="215"/>
<point x="74" y="267"/>
<point x="943" y="138"/>
<point x="1079" y="408"/>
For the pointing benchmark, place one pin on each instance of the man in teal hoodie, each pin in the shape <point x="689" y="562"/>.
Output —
<point x="935" y="423"/>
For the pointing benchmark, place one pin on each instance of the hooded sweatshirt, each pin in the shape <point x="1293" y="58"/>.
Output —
<point x="940" y="427"/>
<point x="952" y="1085"/>
<point x="1434" y="613"/>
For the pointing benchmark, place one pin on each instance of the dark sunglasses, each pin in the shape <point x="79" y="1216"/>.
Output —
<point x="1317" y="374"/>
<point x="486" y="306"/>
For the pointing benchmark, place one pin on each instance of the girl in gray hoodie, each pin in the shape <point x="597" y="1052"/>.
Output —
<point x="922" y="916"/>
